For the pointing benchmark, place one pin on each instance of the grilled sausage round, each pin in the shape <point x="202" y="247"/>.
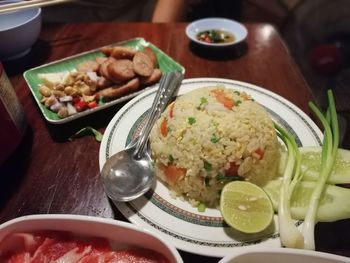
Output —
<point x="143" y="65"/>
<point x="123" y="52"/>
<point x="118" y="91"/>
<point x="88" y="66"/>
<point x="155" y="77"/>
<point x="152" y="55"/>
<point x="121" y="70"/>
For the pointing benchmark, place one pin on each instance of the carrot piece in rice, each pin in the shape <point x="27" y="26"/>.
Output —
<point x="173" y="174"/>
<point x="223" y="99"/>
<point x="164" y="127"/>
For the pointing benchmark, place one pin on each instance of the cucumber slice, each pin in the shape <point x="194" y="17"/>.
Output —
<point x="334" y="205"/>
<point x="311" y="163"/>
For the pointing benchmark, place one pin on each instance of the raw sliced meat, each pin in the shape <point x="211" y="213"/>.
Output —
<point x="63" y="247"/>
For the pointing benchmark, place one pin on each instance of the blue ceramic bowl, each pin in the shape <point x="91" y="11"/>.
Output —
<point x="18" y="31"/>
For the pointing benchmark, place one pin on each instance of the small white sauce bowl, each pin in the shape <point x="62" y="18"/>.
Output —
<point x="237" y="29"/>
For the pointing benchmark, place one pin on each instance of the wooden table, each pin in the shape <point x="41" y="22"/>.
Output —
<point x="49" y="174"/>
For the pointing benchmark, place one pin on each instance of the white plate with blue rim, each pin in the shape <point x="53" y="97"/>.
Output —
<point x="203" y="233"/>
<point x="216" y="32"/>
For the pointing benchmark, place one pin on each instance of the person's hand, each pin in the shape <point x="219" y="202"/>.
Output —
<point x="170" y="11"/>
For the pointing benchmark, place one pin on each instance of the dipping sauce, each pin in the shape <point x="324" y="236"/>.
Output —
<point x="215" y="36"/>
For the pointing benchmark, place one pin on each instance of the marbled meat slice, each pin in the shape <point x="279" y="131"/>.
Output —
<point x="61" y="248"/>
<point x="19" y="246"/>
<point x="23" y="257"/>
<point x="138" y="255"/>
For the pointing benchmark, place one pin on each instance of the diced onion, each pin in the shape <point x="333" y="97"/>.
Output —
<point x="66" y="98"/>
<point x="71" y="109"/>
<point x="56" y="106"/>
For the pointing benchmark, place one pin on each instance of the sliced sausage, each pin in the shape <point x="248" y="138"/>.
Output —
<point x="143" y="65"/>
<point x="123" y="52"/>
<point x="103" y="82"/>
<point x="121" y="70"/>
<point x="155" y="77"/>
<point x="100" y="60"/>
<point x="106" y="50"/>
<point x="87" y="66"/>
<point x="152" y="55"/>
<point x="103" y="68"/>
<point x="118" y="91"/>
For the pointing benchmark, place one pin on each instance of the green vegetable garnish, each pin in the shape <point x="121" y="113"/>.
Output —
<point x="328" y="157"/>
<point x="203" y="102"/>
<point x="289" y="234"/>
<point x="87" y="131"/>
<point x="191" y="120"/>
<point x="224" y="178"/>
<point x="207" y="166"/>
<point x="201" y="207"/>
<point x="214" y="139"/>
<point x="206" y="181"/>
<point x="101" y="100"/>
<point x="215" y="36"/>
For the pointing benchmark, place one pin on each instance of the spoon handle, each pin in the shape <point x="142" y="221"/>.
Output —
<point x="168" y="84"/>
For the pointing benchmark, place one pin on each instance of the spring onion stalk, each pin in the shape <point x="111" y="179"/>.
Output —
<point x="290" y="235"/>
<point x="329" y="154"/>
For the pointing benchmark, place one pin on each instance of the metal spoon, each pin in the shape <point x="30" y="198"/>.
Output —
<point x="129" y="173"/>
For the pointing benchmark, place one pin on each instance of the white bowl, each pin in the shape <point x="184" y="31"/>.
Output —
<point x="237" y="29"/>
<point x="278" y="255"/>
<point x="18" y="31"/>
<point x="120" y="234"/>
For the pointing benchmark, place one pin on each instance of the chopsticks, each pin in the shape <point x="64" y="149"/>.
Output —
<point x="30" y="4"/>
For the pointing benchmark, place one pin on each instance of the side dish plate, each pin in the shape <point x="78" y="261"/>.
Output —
<point x="192" y="231"/>
<point x="166" y="64"/>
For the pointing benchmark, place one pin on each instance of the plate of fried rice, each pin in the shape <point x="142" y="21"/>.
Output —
<point x="215" y="131"/>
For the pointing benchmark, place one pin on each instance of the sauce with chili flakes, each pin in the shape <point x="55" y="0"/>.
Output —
<point x="215" y="36"/>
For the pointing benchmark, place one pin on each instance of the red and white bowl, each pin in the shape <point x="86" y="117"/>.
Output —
<point x="118" y="233"/>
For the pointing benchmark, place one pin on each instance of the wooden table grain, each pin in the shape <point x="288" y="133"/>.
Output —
<point x="49" y="174"/>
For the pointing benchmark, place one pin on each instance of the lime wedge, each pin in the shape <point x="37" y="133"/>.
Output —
<point x="334" y="203"/>
<point x="311" y="163"/>
<point x="246" y="207"/>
